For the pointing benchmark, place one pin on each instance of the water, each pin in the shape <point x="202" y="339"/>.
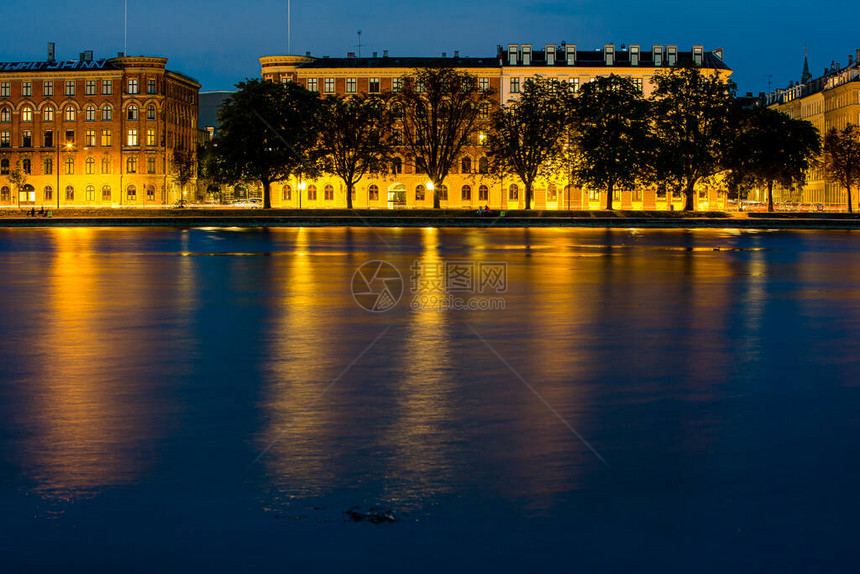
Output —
<point x="214" y="400"/>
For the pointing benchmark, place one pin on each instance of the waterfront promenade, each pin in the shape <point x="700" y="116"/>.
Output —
<point x="214" y="217"/>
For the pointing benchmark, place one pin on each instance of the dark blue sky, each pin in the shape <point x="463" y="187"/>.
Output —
<point x="218" y="41"/>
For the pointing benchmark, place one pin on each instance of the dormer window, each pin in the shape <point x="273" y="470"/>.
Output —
<point x="609" y="54"/>
<point x="527" y="55"/>
<point x="550" y="55"/>
<point x="697" y="55"/>
<point x="658" y="56"/>
<point x="634" y="55"/>
<point x="512" y="54"/>
<point x="570" y="53"/>
<point x="672" y="55"/>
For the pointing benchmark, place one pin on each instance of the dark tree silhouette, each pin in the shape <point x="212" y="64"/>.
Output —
<point x="614" y="134"/>
<point x="268" y="132"/>
<point x="842" y="157"/>
<point x="183" y="167"/>
<point x="440" y="109"/>
<point x="526" y="135"/>
<point x="355" y="138"/>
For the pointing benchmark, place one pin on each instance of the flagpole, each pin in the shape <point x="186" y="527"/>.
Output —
<point x="289" y="37"/>
<point x="125" y="28"/>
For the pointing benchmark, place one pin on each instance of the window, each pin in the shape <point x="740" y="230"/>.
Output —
<point x="466" y="193"/>
<point x="26" y="114"/>
<point x="70" y="136"/>
<point x="150" y="112"/>
<point x="4" y="193"/>
<point x="419" y="193"/>
<point x="107" y="88"/>
<point x="4" y="166"/>
<point x="131" y="193"/>
<point x="26" y="138"/>
<point x="27" y="166"/>
<point x="484" y="110"/>
<point x="90" y="88"/>
<point x="49" y="193"/>
<point x="150" y="86"/>
<point x="515" y="85"/>
<point x="105" y="165"/>
<point x="70" y="88"/>
<point x="466" y="165"/>
<point x="483" y="193"/>
<point x="419" y="86"/>
<point x="329" y="192"/>
<point x="49" y="138"/>
<point x="90" y="166"/>
<point x="70" y="193"/>
<point x="5" y="139"/>
<point x="132" y="137"/>
<point x="483" y="165"/>
<point x="26" y="89"/>
<point x="329" y="86"/>
<point x="397" y="166"/>
<point x="312" y="192"/>
<point x="132" y="112"/>
<point x="287" y="193"/>
<point x="396" y="84"/>
<point x="107" y="113"/>
<point x="105" y="193"/>
<point x="48" y="89"/>
<point x="6" y="115"/>
<point x="133" y="88"/>
<point x="48" y="114"/>
<point x="373" y="193"/>
<point x="90" y="193"/>
<point x="131" y="165"/>
<point x="150" y="192"/>
<point x="312" y="85"/>
<point x="638" y="83"/>
<point x="484" y="84"/>
<point x="150" y="165"/>
<point x="551" y="193"/>
<point x="69" y="114"/>
<point x="49" y="166"/>
<point x="5" y="89"/>
<point x="513" y="192"/>
<point x="106" y="138"/>
<point x="574" y="85"/>
<point x="90" y="113"/>
<point x="70" y="166"/>
<point x="397" y="136"/>
<point x="443" y="192"/>
<point x="373" y="86"/>
<point x="150" y="137"/>
<point x="351" y="85"/>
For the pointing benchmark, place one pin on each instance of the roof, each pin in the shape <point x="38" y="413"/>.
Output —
<point x="596" y="59"/>
<point x="400" y="62"/>
<point x="69" y="65"/>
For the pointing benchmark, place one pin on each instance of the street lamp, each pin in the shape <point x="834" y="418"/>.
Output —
<point x="302" y="186"/>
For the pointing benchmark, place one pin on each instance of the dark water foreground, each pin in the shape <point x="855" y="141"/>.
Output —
<point x="215" y="400"/>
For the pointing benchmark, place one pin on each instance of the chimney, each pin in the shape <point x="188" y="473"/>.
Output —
<point x="120" y="54"/>
<point x="850" y="59"/>
<point x="857" y="55"/>
<point x="308" y="54"/>
<point x="456" y="53"/>
<point x="51" y="52"/>
<point x="375" y="54"/>
<point x="385" y="53"/>
<point x="444" y="54"/>
<point x="88" y="56"/>
<point x="80" y="56"/>
<point x="350" y="54"/>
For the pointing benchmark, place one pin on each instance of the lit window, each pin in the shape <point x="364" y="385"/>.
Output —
<point x="106" y="166"/>
<point x="132" y="112"/>
<point x="150" y="86"/>
<point x="351" y="85"/>
<point x="49" y="193"/>
<point x="515" y="85"/>
<point x="5" y="89"/>
<point x="397" y="84"/>
<point x="638" y="83"/>
<point x="90" y="88"/>
<point x="484" y="110"/>
<point x="150" y="112"/>
<point x="6" y="115"/>
<point x="574" y="85"/>
<point x="107" y="113"/>
<point x="5" y="139"/>
<point x="150" y="165"/>
<point x="69" y="114"/>
<point x="419" y="193"/>
<point x="26" y="89"/>
<point x="107" y="88"/>
<point x="484" y="84"/>
<point x="133" y="87"/>
<point x="329" y="86"/>
<point x="131" y="192"/>
<point x="150" y="137"/>
<point x="27" y="114"/>
<point x="373" y="193"/>
<point x="551" y="192"/>
<point x="373" y="86"/>
<point x="106" y="138"/>
<point x="90" y="193"/>
<point x="150" y="192"/>
<point x="70" y="193"/>
<point x="90" y="113"/>
<point x="48" y="89"/>
<point x="286" y="193"/>
<point x="90" y="138"/>
<point x="312" y="85"/>
<point x="419" y="86"/>
<point x="513" y="192"/>
<point x="70" y="166"/>
<point x="131" y="164"/>
<point x="49" y="166"/>
<point x="4" y="166"/>
<point x="70" y="88"/>
<point x="132" y="137"/>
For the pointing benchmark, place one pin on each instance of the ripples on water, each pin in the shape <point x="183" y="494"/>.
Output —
<point x="206" y="381"/>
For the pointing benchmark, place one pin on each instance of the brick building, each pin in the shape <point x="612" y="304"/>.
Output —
<point x="91" y="132"/>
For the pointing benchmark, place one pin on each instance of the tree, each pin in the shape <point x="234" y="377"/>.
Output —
<point x="526" y="134"/>
<point x="440" y="108"/>
<point x="842" y="157"/>
<point x="355" y="137"/>
<point x="17" y="178"/>
<point x="771" y="147"/>
<point x="691" y="121"/>
<point x="183" y="165"/>
<point x="268" y="132"/>
<point x="614" y="135"/>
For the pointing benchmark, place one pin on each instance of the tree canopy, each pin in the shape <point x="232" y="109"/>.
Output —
<point x="842" y="157"/>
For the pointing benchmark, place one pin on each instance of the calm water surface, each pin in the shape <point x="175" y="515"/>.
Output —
<point x="214" y="400"/>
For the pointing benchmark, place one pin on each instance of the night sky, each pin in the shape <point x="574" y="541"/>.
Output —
<point x="218" y="41"/>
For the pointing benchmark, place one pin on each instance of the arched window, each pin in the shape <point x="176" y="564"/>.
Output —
<point x="312" y="192"/>
<point x="329" y="192"/>
<point x="5" y="115"/>
<point x="483" y="165"/>
<point x="419" y="193"/>
<point x="4" y="166"/>
<point x="483" y="193"/>
<point x="484" y="110"/>
<point x="70" y="193"/>
<point x="150" y="112"/>
<point x="5" y="194"/>
<point x="373" y="193"/>
<point x="132" y="112"/>
<point x="70" y="113"/>
<point x="466" y="193"/>
<point x="107" y="113"/>
<point x="443" y="193"/>
<point x="131" y="164"/>
<point x="90" y="112"/>
<point x="551" y="193"/>
<point x="90" y="166"/>
<point x="27" y="166"/>
<point x="49" y="166"/>
<point x="150" y="192"/>
<point x="105" y="165"/>
<point x="513" y="192"/>
<point x="49" y="193"/>
<point x="466" y="165"/>
<point x="397" y="166"/>
<point x="48" y="114"/>
<point x="70" y="166"/>
<point x="287" y="193"/>
<point x="90" y="193"/>
<point x="105" y="193"/>
<point x="131" y="193"/>
<point x="27" y="114"/>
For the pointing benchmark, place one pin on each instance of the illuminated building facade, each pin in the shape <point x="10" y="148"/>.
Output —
<point x="470" y="184"/>
<point x="831" y="100"/>
<point x="94" y="133"/>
